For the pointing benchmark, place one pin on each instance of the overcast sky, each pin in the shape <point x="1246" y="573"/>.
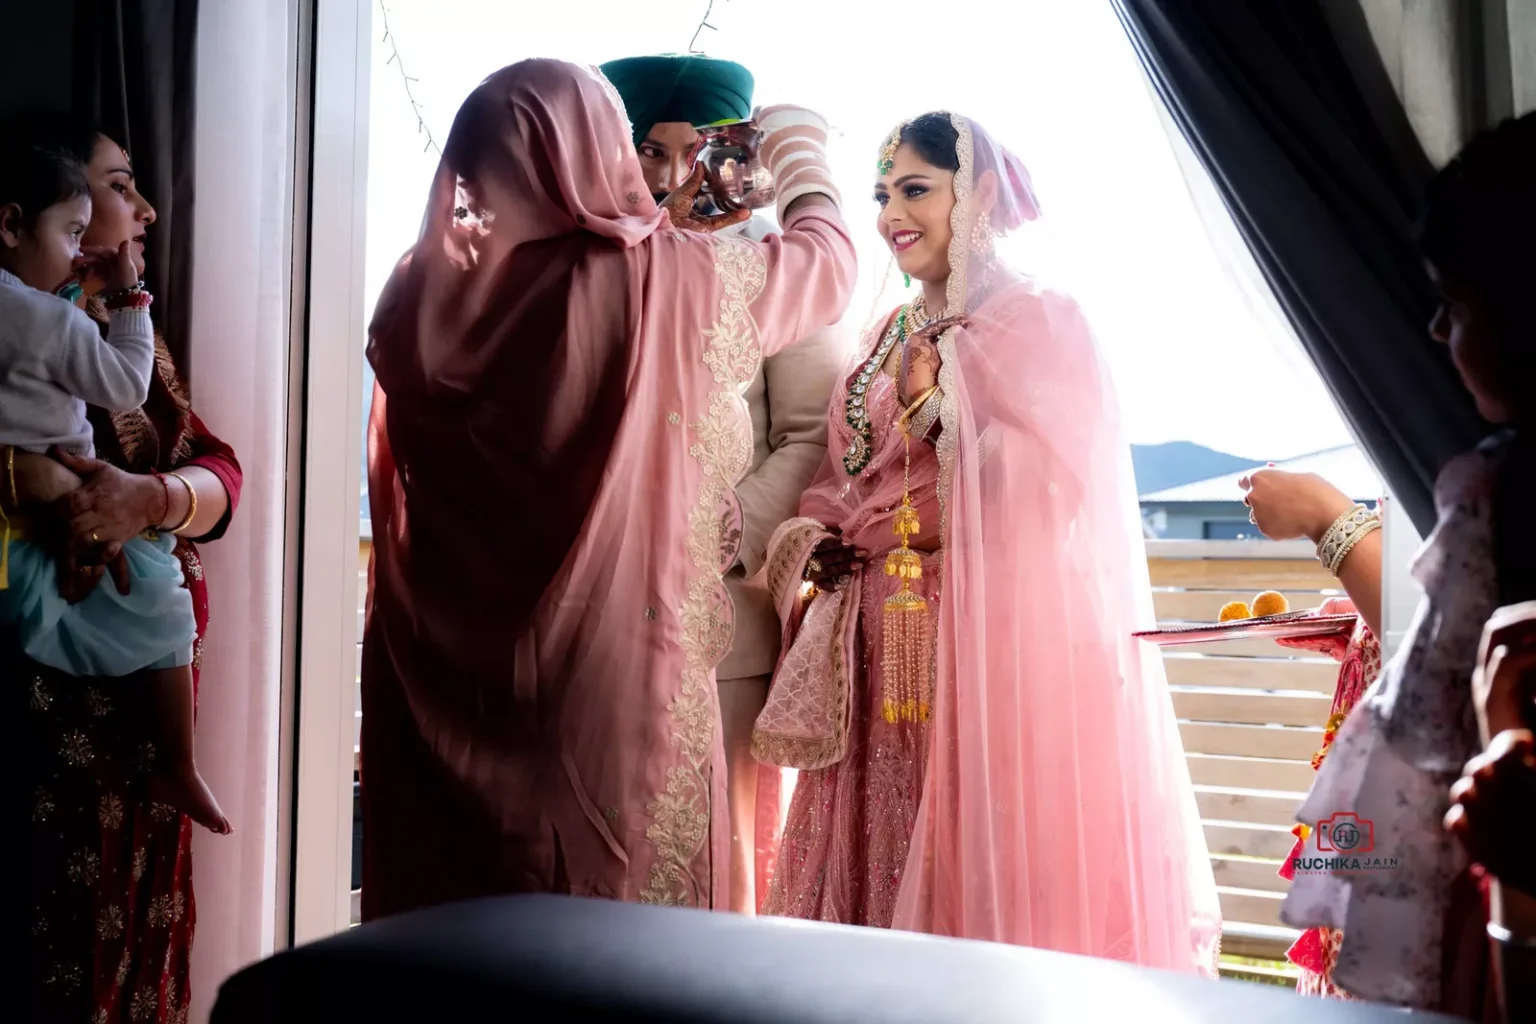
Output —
<point x="1194" y="357"/>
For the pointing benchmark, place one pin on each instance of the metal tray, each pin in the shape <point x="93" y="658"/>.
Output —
<point x="1289" y="626"/>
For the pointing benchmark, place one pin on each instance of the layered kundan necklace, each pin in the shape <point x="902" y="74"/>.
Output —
<point x="909" y="318"/>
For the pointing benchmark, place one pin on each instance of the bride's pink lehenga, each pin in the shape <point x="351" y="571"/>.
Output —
<point x="1047" y="802"/>
<point x="850" y="824"/>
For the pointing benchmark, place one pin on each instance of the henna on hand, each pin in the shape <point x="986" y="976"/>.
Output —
<point x="680" y="207"/>
<point x="832" y="564"/>
<point x="921" y="369"/>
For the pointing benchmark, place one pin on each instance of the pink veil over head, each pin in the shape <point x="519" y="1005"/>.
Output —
<point x="1057" y="809"/>
<point x="555" y="438"/>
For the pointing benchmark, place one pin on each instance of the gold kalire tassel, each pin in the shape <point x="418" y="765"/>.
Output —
<point x="907" y="648"/>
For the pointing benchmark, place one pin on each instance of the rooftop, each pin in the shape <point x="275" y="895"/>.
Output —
<point x="1346" y="467"/>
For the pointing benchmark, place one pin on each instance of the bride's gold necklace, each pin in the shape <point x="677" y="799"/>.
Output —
<point x="856" y="411"/>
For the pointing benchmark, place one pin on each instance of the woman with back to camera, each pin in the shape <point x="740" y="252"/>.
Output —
<point x="986" y="751"/>
<point x="556" y="434"/>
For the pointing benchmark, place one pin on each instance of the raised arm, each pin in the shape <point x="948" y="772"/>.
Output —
<point x="811" y="267"/>
<point x="1288" y="506"/>
<point x="112" y="373"/>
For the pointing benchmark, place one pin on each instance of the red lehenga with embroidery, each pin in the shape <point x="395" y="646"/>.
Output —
<point x="111" y="911"/>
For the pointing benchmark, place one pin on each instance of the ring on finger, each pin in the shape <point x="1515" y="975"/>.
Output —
<point x="844" y="580"/>
<point x="813" y="567"/>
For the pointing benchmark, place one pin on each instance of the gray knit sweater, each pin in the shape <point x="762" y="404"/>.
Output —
<point x="53" y="360"/>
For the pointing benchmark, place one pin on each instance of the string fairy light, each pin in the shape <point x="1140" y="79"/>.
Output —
<point x="422" y="128"/>
<point x="703" y="24"/>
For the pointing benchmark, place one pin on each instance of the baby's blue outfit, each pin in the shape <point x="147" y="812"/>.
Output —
<point x="107" y="634"/>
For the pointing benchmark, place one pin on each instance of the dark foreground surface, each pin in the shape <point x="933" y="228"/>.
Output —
<point x="534" y="958"/>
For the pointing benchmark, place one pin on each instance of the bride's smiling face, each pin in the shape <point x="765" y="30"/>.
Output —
<point x="916" y="199"/>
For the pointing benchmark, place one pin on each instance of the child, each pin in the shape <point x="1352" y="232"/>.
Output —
<point x="53" y="361"/>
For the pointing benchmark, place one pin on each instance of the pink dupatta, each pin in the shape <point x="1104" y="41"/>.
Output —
<point x="555" y="438"/>
<point x="1057" y="809"/>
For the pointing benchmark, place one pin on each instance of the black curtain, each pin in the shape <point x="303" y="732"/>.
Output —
<point x="1325" y="185"/>
<point x="134" y="72"/>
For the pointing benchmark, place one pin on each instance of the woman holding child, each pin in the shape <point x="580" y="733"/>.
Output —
<point x="112" y="912"/>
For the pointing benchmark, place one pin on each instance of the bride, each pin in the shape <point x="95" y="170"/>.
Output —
<point x="985" y="751"/>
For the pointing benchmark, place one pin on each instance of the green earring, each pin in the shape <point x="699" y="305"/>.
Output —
<point x="906" y="279"/>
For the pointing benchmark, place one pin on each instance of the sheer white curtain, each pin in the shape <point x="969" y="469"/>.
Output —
<point x="246" y="53"/>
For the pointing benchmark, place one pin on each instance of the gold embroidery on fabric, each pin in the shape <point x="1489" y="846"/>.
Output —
<point x="137" y="438"/>
<point x="111" y="812"/>
<point x="99" y="703"/>
<point x="140" y="863"/>
<point x="145" y="1002"/>
<point x="787" y="558"/>
<point x="681" y="814"/>
<point x="64" y="976"/>
<point x="76" y="750"/>
<point x="144" y="761"/>
<point x="109" y="925"/>
<point x="122" y="969"/>
<point x="84" y="867"/>
<point x="160" y="912"/>
<point x="776" y="748"/>
<point x="41" y="698"/>
<point x="42" y="805"/>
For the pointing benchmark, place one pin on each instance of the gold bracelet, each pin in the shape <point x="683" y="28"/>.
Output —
<point x="191" y="505"/>
<point x="921" y="424"/>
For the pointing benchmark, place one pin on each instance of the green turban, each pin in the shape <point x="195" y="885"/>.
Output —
<point x="680" y="87"/>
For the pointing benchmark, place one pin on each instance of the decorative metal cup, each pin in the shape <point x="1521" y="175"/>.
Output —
<point x="734" y="176"/>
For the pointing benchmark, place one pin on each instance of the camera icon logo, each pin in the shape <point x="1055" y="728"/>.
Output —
<point x="1346" y="832"/>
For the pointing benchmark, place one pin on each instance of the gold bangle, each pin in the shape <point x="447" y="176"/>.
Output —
<point x="191" y="504"/>
<point x="917" y="404"/>
<point x="921" y="425"/>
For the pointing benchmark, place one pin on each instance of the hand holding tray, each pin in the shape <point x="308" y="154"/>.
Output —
<point x="1286" y="626"/>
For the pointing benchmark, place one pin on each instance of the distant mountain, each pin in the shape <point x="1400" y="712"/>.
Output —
<point x="1161" y="466"/>
<point x="1157" y="466"/>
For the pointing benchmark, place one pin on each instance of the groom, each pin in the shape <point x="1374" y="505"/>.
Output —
<point x="666" y="96"/>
